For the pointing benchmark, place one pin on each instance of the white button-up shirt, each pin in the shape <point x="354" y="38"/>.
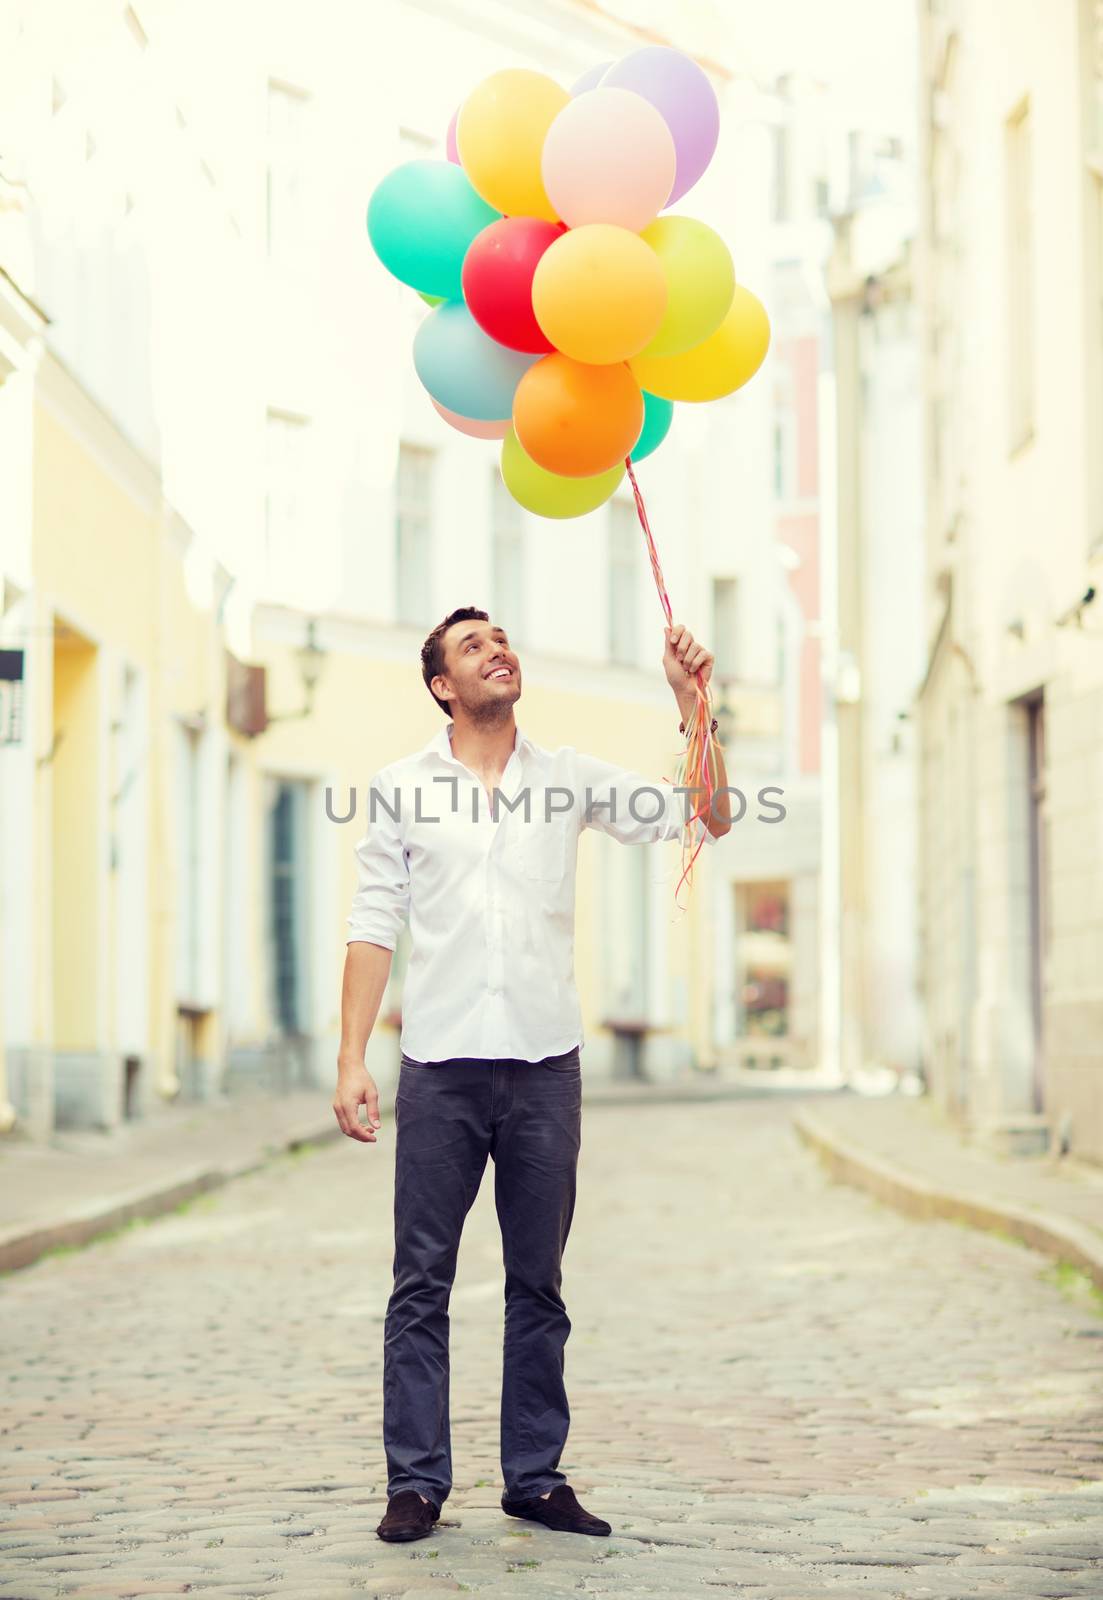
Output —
<point x="490" y="895"/>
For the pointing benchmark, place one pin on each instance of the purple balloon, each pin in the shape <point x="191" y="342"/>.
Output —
<point x="681" y="92"/>
<point x="451" y="148"/>
<point x="591" y="79"/>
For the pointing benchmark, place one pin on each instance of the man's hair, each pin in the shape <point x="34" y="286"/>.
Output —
<point x="432" y="651"/>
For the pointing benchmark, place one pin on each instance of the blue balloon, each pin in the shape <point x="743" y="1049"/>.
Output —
<point x="463" y="368"/>
<point x="421" y="219"/>
<point x="657" y="416"/>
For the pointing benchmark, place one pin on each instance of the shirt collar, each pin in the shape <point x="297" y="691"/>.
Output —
<point x="441" y="743"/>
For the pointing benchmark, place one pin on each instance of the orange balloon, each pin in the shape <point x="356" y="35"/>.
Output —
<point x="574" y="419"/>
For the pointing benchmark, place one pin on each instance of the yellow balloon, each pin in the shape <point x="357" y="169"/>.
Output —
<point x="719" y="365"/>
<point x="599" y="293"/>
<point x="547" y="494"/>
<point x="500" y="137"/>
<point x="700" y="281"/>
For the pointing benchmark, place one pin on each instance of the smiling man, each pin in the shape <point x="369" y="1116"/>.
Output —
<point x="474" y="839"/>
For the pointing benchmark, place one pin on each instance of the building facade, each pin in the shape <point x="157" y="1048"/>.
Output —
<point x="878" y="657"/>
<point x="1011" y="706"/>
<point x="217" y="465"/>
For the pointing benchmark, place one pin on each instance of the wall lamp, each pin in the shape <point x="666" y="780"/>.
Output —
<point x="310" y="658"/>
<point x="1075" y="613"/>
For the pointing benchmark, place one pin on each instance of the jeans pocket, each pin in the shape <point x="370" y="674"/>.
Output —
<point x="413" y="1075"/>
<point x="567" y="1065"/>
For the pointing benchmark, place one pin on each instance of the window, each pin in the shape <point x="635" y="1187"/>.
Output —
<point x="782" y="144"/>
<point x="855" y="163"/>
<point x="285" y="529"/>
<point x="626" y="948"/>
<point x="289" y="933"/>
<point x="288" y="159"/>
<point x="1096" y="223"/>
<point x="624" y="558"/>
<point x="725" y="637"/>
<point x="187" y="920"/>
<point x="508" y="560"/>
<point x="414" y="535"/>
<point x="1020" y="277"/>
<point x="764" y="957"/>
<point x="1091" y="45"/>
<point x="784" y="437"/>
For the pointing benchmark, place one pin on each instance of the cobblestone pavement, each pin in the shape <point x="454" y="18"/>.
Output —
<point x="778" y="1388"/>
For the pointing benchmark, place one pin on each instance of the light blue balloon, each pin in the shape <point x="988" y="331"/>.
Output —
<point x="463" y="368"/>
<point x="657" y="416"/>
<point x="421" y="219"/>
<point x="591" y="79"/>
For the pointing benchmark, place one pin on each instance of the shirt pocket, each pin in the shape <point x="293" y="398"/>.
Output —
<point x="538" y="850"/>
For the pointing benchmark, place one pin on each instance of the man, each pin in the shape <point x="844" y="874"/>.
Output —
<point x="475" y="838"/>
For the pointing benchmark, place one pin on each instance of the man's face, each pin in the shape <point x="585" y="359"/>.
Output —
<point x="482" y="671"/>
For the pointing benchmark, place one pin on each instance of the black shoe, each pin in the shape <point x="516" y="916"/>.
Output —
<point x="560" y="1511"/>
<point x="408" y="1516"/>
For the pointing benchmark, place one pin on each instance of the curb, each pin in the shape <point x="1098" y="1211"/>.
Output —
<point x="23" y="1247"/>
<point x="1063" y="1239"/>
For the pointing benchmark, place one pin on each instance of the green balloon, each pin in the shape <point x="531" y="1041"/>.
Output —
<point x="421" y="219"/>
<point x="432" y="299"/>
<point x="657" y="416"/>
<point x="547" y="493"/>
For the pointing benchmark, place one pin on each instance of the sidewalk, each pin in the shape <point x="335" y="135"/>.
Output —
<point x="907" y="1153"/>
<point x="82" y="1184"/>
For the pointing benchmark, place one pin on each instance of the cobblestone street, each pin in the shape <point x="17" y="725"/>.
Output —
<point x="778" y="1386"/>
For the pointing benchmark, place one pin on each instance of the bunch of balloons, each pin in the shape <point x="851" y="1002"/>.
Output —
<point x="569" y="314"/>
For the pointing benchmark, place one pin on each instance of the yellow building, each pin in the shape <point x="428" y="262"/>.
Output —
<point x="175" y="889"/>
<point x="212" y="439"/>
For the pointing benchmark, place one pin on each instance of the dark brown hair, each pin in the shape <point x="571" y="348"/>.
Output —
<point x="432" y="651"/>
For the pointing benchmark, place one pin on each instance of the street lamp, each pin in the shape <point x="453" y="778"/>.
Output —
<point x="311" y="661"/>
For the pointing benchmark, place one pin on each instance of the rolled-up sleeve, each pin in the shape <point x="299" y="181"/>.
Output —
<point x="381" y="903"/>
<point x="612" y="799"/>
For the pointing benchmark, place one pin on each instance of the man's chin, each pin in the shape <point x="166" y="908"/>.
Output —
<point x="498" y="703"/>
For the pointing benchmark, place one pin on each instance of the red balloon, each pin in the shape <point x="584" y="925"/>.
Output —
<point x="497" y="280"/>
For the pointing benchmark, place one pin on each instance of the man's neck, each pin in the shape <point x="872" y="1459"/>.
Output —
<point x="484" y="746"/>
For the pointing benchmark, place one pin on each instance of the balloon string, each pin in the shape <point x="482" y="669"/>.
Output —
<point x="694" y="768"/>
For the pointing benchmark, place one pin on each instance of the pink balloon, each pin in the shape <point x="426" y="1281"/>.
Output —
<point x="609" y="157"/>
<point x="473" y="429"/>
<point x="451" y="148"/>
<point x="677" y="87"/>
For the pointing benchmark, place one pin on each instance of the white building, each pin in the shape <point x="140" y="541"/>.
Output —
<point x="1012" y="701"/>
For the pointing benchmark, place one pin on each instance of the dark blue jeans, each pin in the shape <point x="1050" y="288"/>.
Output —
<point x="449" y="1116"/>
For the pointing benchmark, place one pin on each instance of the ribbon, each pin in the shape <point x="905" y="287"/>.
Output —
<point x="694" y="766"/>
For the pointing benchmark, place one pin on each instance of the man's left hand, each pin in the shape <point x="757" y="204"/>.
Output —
<point x="683" y="658"/>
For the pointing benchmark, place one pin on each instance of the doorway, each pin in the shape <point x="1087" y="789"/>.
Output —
<point x="289" y="918"/>
<point x="1038" y="843"/>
